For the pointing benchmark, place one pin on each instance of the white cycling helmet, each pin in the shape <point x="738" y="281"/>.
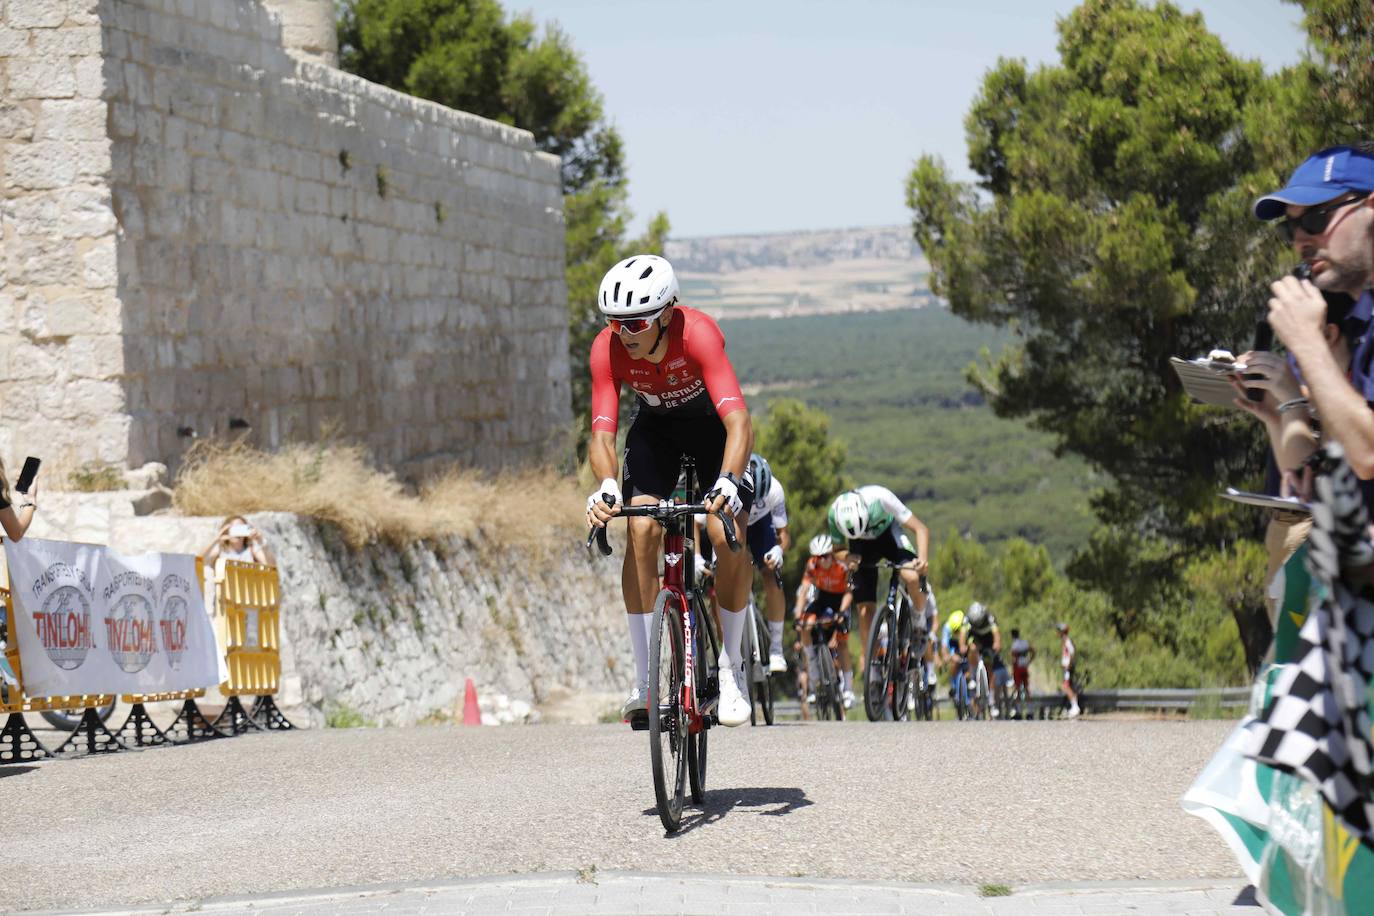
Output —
<point x="977" y="615"/>
<point x="821" y="545"/>
<point x="637" y="287"/>
<point x="851" y="513"/>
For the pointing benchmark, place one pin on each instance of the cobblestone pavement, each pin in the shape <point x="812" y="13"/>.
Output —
<point x="935" y="805"/>
<point x="635" y="892"/>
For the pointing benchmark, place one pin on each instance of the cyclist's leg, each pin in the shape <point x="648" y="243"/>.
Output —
<point x="646" y="472"/>
<point x="762" y="538"/>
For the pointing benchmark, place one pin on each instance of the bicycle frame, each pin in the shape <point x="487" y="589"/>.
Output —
<point x="680" y="578"/>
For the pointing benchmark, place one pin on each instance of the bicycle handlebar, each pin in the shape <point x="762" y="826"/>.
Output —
<point x="663" y="512"/>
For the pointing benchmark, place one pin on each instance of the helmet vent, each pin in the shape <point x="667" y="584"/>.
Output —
<point x="643" y="300"/>
<point x="615" y="293"/>
<point x="648" y="270"/>
<point x="630" y="263"/>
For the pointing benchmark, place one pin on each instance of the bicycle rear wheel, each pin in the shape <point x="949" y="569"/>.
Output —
<point x="878" y="666"/>
<point x="765" y="683"/>
<point x="984" y="697"/>
<point x="751" y="658"/>
<point x="901" y="662"/>
<point x="668" y="740"/>
<point x="705" y="655"/>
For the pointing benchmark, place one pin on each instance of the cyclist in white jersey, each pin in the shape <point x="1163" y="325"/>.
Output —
<point x="768" y="538"/>
<point x="869" y="520"/>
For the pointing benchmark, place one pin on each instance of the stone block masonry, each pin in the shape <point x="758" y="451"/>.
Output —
<point x="202" y="227"/>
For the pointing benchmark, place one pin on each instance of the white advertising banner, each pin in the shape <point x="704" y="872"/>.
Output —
<point x="90" y="621"/>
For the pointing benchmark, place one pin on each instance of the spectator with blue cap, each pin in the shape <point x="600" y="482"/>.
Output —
<point x="1327" y="212"/>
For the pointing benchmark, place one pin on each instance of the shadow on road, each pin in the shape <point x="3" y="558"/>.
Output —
<point x="720" y="802"/>
<point x="12" y="770"/>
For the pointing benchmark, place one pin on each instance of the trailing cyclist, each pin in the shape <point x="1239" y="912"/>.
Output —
<point x="768" y="538"/>
<point x="690" y="402"/>
<point x="1022" y="654"/>
<point x="869" y="520"/>
<point x="982" y="639"/>
<point x="952" y="651"/>
<point x="824" y="595"/>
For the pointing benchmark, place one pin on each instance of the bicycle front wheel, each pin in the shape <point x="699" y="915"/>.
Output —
<point x="668" y="740"/>
<point x="878" y="666"/>
<point x="825" y="690"/>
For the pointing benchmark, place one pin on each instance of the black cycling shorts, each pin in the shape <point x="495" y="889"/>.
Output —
<point x="825" y="601"/>
<point x="892" y="545"/>
<point x="654" y="447"/>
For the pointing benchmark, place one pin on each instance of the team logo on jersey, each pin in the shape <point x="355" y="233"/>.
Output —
<point x="672" y="378"/>
<point x="672" y="559"/>
<point x="678" y="363"/>
<point x="639" y="372"/>
<point x="601" y="416"/>
<point x="723" y="401"/>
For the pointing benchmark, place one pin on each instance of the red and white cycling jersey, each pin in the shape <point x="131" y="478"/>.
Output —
<point x="694" y="378"/>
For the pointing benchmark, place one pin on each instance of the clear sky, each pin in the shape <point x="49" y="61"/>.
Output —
<point x="773" y="115"/>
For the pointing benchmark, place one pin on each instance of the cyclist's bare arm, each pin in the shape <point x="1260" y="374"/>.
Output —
<point x="996" y="640"/>
<point x="605" y="466"/>
<point x="784" y="538"/>
<point x="846" y="601"/>
<point x="739" y="442"/>
<point x="921" y="533"/>
<point x="801" y="594"/>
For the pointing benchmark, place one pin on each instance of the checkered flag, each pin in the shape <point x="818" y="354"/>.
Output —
<point x="1317" y="725"/>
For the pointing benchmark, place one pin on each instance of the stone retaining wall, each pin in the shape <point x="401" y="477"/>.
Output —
<point x="204" y="232"/>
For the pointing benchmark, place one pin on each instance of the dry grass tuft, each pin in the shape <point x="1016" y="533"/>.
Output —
<point x="335" y="483"/>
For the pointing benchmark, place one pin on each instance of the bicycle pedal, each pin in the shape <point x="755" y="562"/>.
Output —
<point x="639" y="721"/>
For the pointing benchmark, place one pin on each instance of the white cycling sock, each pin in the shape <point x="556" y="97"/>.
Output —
<point x="640" y="625"/>
<point x="848" y="677"/>
<point x="732" y="639"/>
<point x="775" y="634"/>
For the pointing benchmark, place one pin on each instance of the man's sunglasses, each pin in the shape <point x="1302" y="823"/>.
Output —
<point x="1314" y="220"/>
<point x="633" y="325"/>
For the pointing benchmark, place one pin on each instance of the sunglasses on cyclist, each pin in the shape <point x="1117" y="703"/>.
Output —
<point x="1314" y="220"/>
<point x="634" y="325"/>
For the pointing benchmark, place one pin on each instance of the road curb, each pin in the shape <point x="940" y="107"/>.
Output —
<point x="704" y="881"/>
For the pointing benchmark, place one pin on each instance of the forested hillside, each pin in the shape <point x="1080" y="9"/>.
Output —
<point x="893" y="385"/>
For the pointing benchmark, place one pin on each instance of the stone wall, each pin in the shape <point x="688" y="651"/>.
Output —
<point x="205" y="233"/>
<point x="393" y="633"/>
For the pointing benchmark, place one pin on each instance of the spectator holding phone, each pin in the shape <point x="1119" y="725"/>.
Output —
<point x="16" y="509"/>
<point x="238" y="540"/>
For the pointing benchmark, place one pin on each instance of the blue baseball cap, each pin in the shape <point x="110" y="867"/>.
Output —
<point x="1325" y="176"/>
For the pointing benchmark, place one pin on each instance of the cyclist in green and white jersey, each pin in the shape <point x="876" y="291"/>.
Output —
<point x="869" y="520"/>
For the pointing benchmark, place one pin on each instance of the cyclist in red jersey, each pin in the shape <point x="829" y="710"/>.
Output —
<point x="824" y="594"/>
<point x="689" y="402"/>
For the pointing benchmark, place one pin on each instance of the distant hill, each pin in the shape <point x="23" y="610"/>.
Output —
<point x="802" y="273"/>
<point x="893" y="384"/>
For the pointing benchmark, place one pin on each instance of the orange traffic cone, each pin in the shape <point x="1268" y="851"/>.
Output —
<point x="471" y="714"/>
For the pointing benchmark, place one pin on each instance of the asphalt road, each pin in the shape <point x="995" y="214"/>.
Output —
<point x="945" y="802"/>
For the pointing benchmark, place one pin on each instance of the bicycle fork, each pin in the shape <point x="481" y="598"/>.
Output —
<point x="675" y="556"/>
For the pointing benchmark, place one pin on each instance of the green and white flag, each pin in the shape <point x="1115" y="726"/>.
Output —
<point x="1289" y="844"/>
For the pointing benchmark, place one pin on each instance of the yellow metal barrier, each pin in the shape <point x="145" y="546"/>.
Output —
<point x="248" y="626"/>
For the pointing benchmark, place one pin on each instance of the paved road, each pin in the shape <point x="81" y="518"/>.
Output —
<point x="934" y="803"/>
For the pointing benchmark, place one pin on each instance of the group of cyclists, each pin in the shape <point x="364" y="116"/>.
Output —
<point x="689" y="403"/>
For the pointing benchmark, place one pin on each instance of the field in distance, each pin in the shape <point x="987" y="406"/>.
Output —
<point x="802" y="273"/>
